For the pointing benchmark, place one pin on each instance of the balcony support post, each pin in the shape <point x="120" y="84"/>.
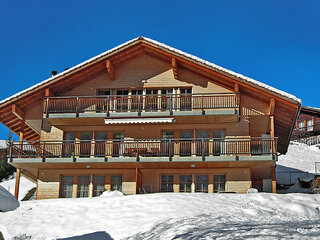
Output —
<point x="77" y="107"/>
<point x="16" y="189"/>
<point x="274" y="183"/>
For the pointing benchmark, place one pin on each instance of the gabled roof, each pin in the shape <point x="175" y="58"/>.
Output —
<point x="310" y="110"/>
<point x="172" y="50"/>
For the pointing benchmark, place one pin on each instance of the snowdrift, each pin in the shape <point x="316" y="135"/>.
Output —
<point x="7" y="201"/>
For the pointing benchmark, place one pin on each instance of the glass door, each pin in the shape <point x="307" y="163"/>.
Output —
<point x="151" y="100"/>
<point x="166" y="98"/>
<point x="219" y="142"/>
<point x="136" y="100"/>
<point x="118" y="146"/>
<point x="68" y="144"/>
<point x="185" y="99"/>
<point x="186" y="143"/>
<point x="102" y="102"/>
<point x="100" y="144"/>
<point x="203" y="142"/>
<point x="122" y="100"/>
<point x="85" y="144"/>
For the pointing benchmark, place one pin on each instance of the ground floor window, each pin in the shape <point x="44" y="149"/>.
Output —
<point x="219" y="183"/>
<point x="167" y="183"/>
<point x="98" y="185"/>
<point x="116" y="183"/>
<point x="66" y="186"/>
<point x="83" y="186"/>
<point x="202" y="182"/>
<point x="185" y="183"/>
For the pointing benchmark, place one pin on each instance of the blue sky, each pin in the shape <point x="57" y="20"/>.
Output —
<point x="275" y="42"/>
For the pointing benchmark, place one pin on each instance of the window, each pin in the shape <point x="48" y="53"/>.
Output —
<point x="168" y="134"/>
<point x="136" y="100"/>
<point x="66" y="187"/>
<point x="98" y="185"/>
<point x="151" y="101"/>
<point x="202" y="183"/>
<point x="219" y="183"/>
<point x="185" y="183"/>
<point x="116" y="183"/>
<point x="301" y="126"/>
<point x="122" y="100"/>
<point x="104" y="92"/>
<point x="166" y="183"/>
<point x="83" y="186"/>
<point x="166" y="100"/>
<point x="310" y="125"/>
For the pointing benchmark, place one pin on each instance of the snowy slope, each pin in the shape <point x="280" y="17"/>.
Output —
<point x="168" y="215"/>
<point x="25" y="185"/>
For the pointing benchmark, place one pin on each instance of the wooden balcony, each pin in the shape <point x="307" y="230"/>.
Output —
<point x="145" y="150"/>
<point x="142" y="105"/>
<point x="306" y="131"/>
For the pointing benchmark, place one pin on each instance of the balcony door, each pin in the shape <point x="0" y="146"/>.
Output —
<point x="85" y="144"/>
<point x="69" y="143"/>
<point x="121" y="100"/>
<point x="102" y="103"/>
<point x="185" y="99"/>
<point x="167" y="147"/>
<point x="186" y="143"/>
<point x="166" y="99"/>
<point x="118" y="144"/>
<point x="136" y="100"/>
<point x="219" y="142"/>
<point x="151" y="100"/>
<point x="203" y="142"/>
<point x="100" y="144"/>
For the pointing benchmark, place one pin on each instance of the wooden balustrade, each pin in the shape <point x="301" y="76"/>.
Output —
<point x="145" y="148"/>
<point x="169" y="102"/>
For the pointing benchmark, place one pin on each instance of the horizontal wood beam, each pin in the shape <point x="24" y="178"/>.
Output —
<point x="17" y="111"/>
<point x="111" y="70"/>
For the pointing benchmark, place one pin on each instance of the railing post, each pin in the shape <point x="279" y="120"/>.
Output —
<point x="47" y="107"/>
<point x="77" y="107"/>
<point x="170" y="150"/>
<point x="139" y="109"/>
<point x="170" y="104"/>
<point x="108" y="105"/>
<point x="202" y="103"/>
<point x="74" y="150"/>
<point x="202" y="149"/>
<point x="236" y="151"/>
<point x="43" y="151"/>
<point x="137" y="154"/>
<point x="11" y="152"/>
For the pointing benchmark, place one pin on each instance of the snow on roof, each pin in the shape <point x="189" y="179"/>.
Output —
<point x="311" y="108"/>
<point x="3" y="144"/>
<point x="161" y="45"/>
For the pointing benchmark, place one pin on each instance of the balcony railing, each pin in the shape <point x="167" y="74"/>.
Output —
<point x="145" y="148"/>
<point x="141" y="103"/>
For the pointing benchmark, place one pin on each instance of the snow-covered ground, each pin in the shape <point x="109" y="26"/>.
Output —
<point x="25" y="185"/>
<point x="168" y="216"/>
<point x="178" y="216"/>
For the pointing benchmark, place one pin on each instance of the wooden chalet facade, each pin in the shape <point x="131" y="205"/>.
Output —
<point x="307" y="129"/>
<point x="145" y="117"/>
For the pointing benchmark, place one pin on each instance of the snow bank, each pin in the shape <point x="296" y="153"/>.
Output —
<point x="112" y="194"/>
<point x="7" y="201"/>
<point x="167" y="215"/>
<point x="25" y="185"/>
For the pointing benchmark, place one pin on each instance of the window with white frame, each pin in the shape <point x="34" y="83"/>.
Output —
<point x="66" y="187"/>
<point x="83" y="186"/>
<point x="167" y="183"/>
<point x="116" y="183"/>
<point x="219" y="183"/>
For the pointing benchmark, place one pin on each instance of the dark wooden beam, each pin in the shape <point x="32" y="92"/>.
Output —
<point x="272" y="106"/>
<point x="48" y="93"/>
<point x="111" y="70"/>
<point x="174" y="68"/>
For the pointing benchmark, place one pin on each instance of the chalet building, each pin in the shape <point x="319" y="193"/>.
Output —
<point x="146" y="117"/>
<point x="308" y="126"/>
